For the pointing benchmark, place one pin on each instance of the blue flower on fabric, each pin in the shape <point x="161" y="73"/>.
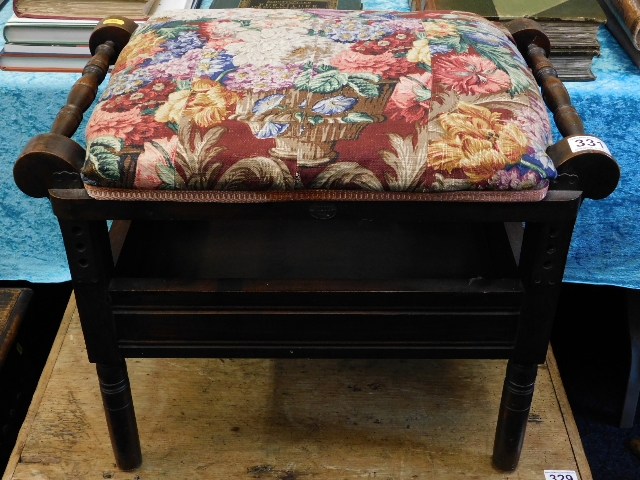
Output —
<point x="183" y="43"/>
<point x="436" y="49"/>
<point x="271" y="130"/>
<point x="213" y="63"/>
<point x="541" y="163"/>
<point x="121" y="84"/>
<point x="333" y="105"/>
<point x="486" y="38"/>
<point x="267" y="103"/>
<point x="159" y="57"/>
<point x="350" y="31"/>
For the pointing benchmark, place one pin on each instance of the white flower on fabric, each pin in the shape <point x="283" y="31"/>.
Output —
<point x="279" y="46"/>
<point x="267" y="103"/>
<point x="333" y="105"/>
<point x="271" y="130"/>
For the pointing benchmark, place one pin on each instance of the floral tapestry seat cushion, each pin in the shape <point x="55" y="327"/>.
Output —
<point x="258" y="105"/>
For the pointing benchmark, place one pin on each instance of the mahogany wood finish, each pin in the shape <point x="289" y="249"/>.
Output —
<point x="593" y="171"/>
<point x="378" y="279"/>
<point x="13" y="306"/>
<point x="55" y="152"/>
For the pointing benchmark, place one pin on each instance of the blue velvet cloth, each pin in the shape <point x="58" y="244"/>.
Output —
<point x="606" y="242"/>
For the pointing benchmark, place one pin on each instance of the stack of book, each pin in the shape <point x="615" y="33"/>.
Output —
<point x="571" y="26"/>
<point x="53" y="35"/>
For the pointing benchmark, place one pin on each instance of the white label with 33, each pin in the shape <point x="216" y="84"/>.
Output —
<point x="585" y="142"/>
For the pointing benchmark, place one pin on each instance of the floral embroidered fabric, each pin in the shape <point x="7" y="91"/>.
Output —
<point x="252" y="100"/>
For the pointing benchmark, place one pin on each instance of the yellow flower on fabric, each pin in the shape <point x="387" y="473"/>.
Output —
<point x="439" y="28"/>
<point x="144" y="46"/>
<point x="420" y="52"/>
<point x="211" y="103"/>
<point x="171" y="111"/>
<point x="477" y="141"/>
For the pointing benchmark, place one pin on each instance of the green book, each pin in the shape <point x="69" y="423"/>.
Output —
<point x="548" y="10"/>
<point x="295" y="4"/>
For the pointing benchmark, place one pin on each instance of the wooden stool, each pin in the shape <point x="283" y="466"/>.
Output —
<point x="263" y="218"/>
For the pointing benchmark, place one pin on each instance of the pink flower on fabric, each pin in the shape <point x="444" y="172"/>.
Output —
<point x="471" y="74"/>
<point x="182" y="67"/>
<point x="512" y="179"/>
<point x="411" y="99"/>
<point x="116" y="124"/>
<point x="385" y="65"/>
<point x="147" y="177"/>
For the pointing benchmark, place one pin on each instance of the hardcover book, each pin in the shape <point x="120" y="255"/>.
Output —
<point x="294" y="4"/>
<point x="44" y="30"/>
<point x="623" y="21"/>
<point x="558" y="10"/>
<point x="37" y="62"/>
<point x="96" y="9"/>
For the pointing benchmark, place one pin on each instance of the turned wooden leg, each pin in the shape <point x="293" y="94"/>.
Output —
<point x="91" y="263"/>
<point x="121" y="417"/>
<point x="542" y="260"/>
<point x="517" y="394"/>
<point x="633" y="384"/>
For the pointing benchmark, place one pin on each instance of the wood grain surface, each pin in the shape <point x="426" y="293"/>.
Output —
<point x="290" y="419"/>
<point x="8" y="299"/>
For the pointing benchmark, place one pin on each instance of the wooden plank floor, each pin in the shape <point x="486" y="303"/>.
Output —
<point x="290" y="419"/>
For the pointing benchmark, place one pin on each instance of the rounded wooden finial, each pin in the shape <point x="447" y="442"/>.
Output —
<point x="114" y="29"/>
<point x="526" y="32"/>
<point x="42" y="156"/>
<point x="587" y="163"/>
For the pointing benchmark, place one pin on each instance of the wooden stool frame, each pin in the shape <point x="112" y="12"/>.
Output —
<point x="123" y="315"/>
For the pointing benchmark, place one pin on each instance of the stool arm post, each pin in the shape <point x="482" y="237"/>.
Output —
<point x="583" y="161"/>
<point x="84" y="91"/>
<point x="554" y="93"/>
<point x="53" y="153"/>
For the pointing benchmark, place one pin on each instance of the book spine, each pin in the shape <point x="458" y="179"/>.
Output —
<point x="628" y="16"/>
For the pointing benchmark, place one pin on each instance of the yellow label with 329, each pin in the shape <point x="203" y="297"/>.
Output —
<point x="113" y="21"/>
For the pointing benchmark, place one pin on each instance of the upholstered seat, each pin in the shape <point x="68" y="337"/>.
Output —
<point x="256" y="100"/>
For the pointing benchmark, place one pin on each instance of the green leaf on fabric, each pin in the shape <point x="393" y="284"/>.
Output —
<point x="315" y="119"/>
<point x="364" y="88"/>
<point x="302" y="81"/>
<point x="503" y="59"/>
<point x="105" y="162"/>
<point x="183" y="85"/>
<point x="166" y="171"/>
<point x="371" y="77"/>
<point x="165" y="155"/>
<point x="325" y="68"/>
<point x="299" y="116"/>
<point x="169" y="31"/>
<point x="173" y="126"/>
<point x="108" y="141"/>
<point x="167" y="174"/>
<point x="328" y="82"/>
<point x="357" y="117"/>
